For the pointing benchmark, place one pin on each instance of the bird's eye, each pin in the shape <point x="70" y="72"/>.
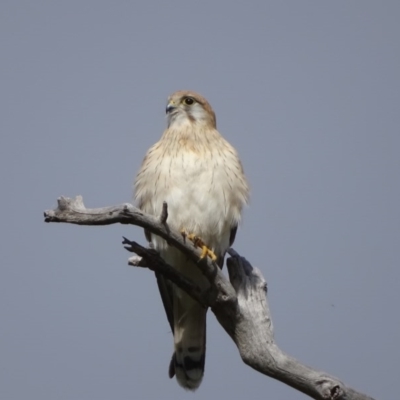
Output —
<point x="188" y="101"/>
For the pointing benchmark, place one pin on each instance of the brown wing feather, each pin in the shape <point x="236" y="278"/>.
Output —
<point x="165" y="288"/>
<point x="233" y="235"/>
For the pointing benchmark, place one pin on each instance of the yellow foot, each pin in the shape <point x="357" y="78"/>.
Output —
<point x="198" y="242"/>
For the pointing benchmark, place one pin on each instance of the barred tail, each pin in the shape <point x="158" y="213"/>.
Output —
<point x="190" y="341"/>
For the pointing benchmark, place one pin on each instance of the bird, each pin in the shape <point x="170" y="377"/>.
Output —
<point x="200" y="176"/>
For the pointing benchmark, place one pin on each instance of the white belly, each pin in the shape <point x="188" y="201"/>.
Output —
<point x="198" y="197"/>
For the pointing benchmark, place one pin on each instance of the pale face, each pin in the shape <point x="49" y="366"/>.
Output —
<point x="188" y="108"/>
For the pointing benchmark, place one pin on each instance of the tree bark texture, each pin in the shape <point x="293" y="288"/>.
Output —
<point x="240" y="303"/>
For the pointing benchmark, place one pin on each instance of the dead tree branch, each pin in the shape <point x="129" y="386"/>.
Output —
<point x="240" y="303"/>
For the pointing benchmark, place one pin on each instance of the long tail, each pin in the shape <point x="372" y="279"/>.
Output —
<point x="189" y="340"/>
<point x="187" y="319"/>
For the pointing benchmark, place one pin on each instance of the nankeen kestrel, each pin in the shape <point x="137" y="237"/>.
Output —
<point x="199" y="174"/>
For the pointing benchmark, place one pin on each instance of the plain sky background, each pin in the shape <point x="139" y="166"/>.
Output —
<point x="308" y="92"/>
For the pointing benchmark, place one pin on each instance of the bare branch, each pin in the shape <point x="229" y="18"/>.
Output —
<point x="240" y="303"/>
<point x="253" y="335"/>
<point x="73" y="211"/>
<point x="151" y="259"/>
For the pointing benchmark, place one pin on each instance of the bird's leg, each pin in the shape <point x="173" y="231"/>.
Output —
<point x="198" y="242"/>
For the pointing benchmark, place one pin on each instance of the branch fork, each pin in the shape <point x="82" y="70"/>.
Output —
<point x="240" y="303"/>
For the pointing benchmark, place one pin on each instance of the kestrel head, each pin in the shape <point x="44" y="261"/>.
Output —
<point x="185" y="107"/>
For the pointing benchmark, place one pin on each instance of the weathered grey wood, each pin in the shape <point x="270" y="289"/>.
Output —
<point x="240" y="303"/>
<point x="151" y="259"/>
<point x="253" y="335"/>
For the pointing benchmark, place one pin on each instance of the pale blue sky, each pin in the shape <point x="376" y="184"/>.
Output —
<point x="308" y="92"/>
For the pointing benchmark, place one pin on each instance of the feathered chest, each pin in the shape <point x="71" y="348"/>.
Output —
<point x="201" y="179"/>
<point x="191" y="174"/>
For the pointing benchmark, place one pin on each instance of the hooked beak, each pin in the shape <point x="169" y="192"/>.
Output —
<point x="170" y="107"/>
